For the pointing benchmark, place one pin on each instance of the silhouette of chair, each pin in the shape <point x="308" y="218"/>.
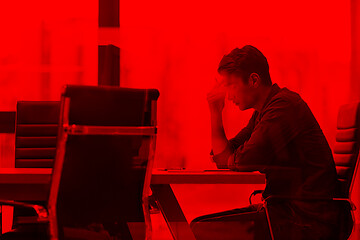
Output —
<point x="36" y="131"/>
<point x="101" y="177"/>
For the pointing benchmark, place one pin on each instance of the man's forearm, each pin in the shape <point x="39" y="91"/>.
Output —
<point x="218" y="138"/>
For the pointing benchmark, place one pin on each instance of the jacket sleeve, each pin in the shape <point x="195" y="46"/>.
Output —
<point x="221" y="159"/>
<point x="276" y="128"/>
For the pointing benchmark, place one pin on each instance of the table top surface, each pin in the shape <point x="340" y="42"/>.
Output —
<point x="43" y="176"/>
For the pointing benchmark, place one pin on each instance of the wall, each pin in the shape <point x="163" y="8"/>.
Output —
<point x="175" y="47"/>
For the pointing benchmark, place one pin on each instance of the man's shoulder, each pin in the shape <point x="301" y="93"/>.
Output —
<point x="285" y="97"/>
<point x="287" y="102"/>
<point x="290" y="104"/>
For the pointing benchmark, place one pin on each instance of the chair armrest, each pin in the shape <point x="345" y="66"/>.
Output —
<point x="41" y="212"/>
<point x="278" y="197"/>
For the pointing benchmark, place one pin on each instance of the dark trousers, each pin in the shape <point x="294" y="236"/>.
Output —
<point x="248" y="223"/>
<point x="251" y="223"/>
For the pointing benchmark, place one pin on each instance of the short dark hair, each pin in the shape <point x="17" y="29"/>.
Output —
<point x="245" y="61"/>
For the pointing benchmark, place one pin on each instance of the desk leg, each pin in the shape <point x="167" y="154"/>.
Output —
<point x="170" y="208"/>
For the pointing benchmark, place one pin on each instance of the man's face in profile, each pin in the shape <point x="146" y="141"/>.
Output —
<point x="242" y="93"/>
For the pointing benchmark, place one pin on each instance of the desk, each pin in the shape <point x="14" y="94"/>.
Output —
<point x="168" y="204"/>
<point x="33" y="184"/>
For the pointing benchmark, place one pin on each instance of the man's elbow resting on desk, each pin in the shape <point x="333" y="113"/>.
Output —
<point x="229" y="163"/>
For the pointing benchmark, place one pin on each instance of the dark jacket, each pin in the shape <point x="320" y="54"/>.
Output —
<point x="285" y="142"/>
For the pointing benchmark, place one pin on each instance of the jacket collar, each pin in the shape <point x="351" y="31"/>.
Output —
<point x="275" y="89"/>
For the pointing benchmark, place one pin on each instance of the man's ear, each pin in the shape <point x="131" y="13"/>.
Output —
<point x="254" y="79"/>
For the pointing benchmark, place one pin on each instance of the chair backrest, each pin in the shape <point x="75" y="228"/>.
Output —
<point x="346" y="149"/>
<point x="35" y="133"/>
<point x="103" y="164"/>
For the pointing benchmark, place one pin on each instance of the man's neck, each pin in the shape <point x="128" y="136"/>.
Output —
<point x="262" y="98"/>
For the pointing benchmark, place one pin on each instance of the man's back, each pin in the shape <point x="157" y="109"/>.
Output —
<point x="300" y="144"/>
<point x="287" y="144"/>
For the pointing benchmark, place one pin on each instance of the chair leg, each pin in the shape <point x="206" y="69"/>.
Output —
<point x="268" y="221"/>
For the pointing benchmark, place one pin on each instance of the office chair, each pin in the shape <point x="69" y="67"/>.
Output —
<point x="101" y="177"/>
<point x="36" y="130"/>
<point x="35" y="133"/>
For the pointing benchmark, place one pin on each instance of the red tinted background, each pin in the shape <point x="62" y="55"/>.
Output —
<point x="175" y="46"/>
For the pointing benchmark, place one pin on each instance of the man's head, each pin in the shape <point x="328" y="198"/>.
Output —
<point x="246" y="75"/>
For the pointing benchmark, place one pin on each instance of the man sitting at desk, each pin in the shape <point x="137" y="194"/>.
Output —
<point x="282" y="134"/>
